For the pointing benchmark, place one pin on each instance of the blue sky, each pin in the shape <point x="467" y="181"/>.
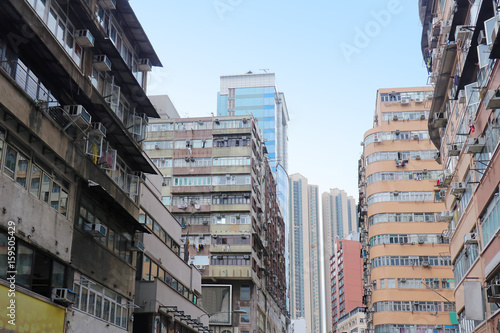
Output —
<point x="330" y="96"/>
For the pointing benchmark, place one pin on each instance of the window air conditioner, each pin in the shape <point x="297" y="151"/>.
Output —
<point x="63" y="296"/>
<point x="458" y="187"/>
<point x="470" y="238"/>
<point x="475" y="145"/>
<point x="395" y="118"/>
<point x="98" y="128"/>
<point x="98" y="230"/>
<point x="136" y="245"/>
<point x="493" y="292"/>
<point x="454" y="149"/>
<point x="425" y="264"/>
<point x="461" y="96"/>
<point x="462" y="33"/>
<point x="445" y="216"/>
<point x="84" y="38"/>
<point x="79" y="114"/>
<point x="494" y="102"/>
<point x="422" y="117"/>
<point x="403" y="280"/>
<point x="405" y="101"/>
<point x="144" y="65"/>
<point x="102" y="63"/>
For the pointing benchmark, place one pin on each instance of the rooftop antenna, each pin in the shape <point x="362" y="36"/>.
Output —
<point x="264" y="70"/>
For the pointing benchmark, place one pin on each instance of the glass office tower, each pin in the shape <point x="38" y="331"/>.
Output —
<point x="257" y="95"/>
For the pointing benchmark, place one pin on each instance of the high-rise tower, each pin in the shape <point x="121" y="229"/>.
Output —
<point x="407" y="268"/>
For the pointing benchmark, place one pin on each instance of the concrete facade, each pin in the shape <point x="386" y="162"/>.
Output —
<point x="73" y="114"/>
<point x="463" y="126"/>
<point x="345" y="280"/>
<point x="219" y="186"/>
<point x="305" y="286"/>
<point x="408" y="281"/>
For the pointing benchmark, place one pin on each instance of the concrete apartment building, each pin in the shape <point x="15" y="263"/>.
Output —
<point x="73" y="113"/>
<point x="460" y="44"/>
<point x="339" y="213"/>
<point x="345" y="281"/>
<point x="408" y="281"/>
<point x="353" y="321"/>
<point x="219" y="185"/>
<point x="305" y="286"/>
<point x="339" y="216"/>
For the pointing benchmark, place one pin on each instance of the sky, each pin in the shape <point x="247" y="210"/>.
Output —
<point x="330" y="57"/>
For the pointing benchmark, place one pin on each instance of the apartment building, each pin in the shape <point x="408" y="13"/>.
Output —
<point x="345" y="280"/>
<point x="460" y="46"/>
<point x="73" y="113"/>
<point x="353" y="321"/>
<point x="305" y="286"/>
<point x="219" y="185"/>
<point x="408" y="281"/>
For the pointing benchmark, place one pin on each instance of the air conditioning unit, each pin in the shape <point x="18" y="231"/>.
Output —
<point x="419" y="99"/>
<point x="224" y="196"/>
<point x="200" y="267"/>
<point x="475" y="145"/>
<point x="403" y="280"/>
<point x="84" y="38"/>
<point x="98" y="128"/>
<point x="425" y="171"/>
<point x="246" y="257"/>
<point x="205" y="222"/>
<point x="494" y="102"/>
<point x="445" y="27"/>
<point x="405" y="101"/>
<point x="445" y="216"/>
<point x="417" y="157"/>
<point x="136" y="245"/>
<point x="425" y="264"/>
<point x="470" y="238"/>
<point x="461" y="96"/>
<point x="415" y="137"/>
<point x="395" y="118"/>
<point x="244" y="236"/>
<point x="144" y="65"/>
<point x="182" y="206"/>
<point x="157" y="147"/>
<point x="107" y="4"/>
<point x="80" y="116"/>
<point x="454" y="149"/>
<point x="63" y="296"/>
<point x="395" y="193"/>
<point x="98" y="230"/>
<point x="458" y="187"/>
<point x="376" y="138"/>
<point x="421" y="241"/>
<point x="493" y="292"/>
<point x="462" y="33"/>
<point x="438" y="326"/>
<point x="102" y="63"/>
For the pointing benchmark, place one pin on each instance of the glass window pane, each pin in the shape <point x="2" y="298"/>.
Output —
<point x="24" y="265"/>
<point x="36" y="177"/>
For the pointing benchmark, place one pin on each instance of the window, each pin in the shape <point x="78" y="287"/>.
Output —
<point x="100" y="302"/>
<point x="245" y="292"/>
<point x="245" y="318"/>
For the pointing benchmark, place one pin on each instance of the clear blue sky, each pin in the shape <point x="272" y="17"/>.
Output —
<point x="330" y="100"/>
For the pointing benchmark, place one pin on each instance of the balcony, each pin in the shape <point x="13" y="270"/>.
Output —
<point x="233" y="272"/>
<point x="230" y="248"/>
